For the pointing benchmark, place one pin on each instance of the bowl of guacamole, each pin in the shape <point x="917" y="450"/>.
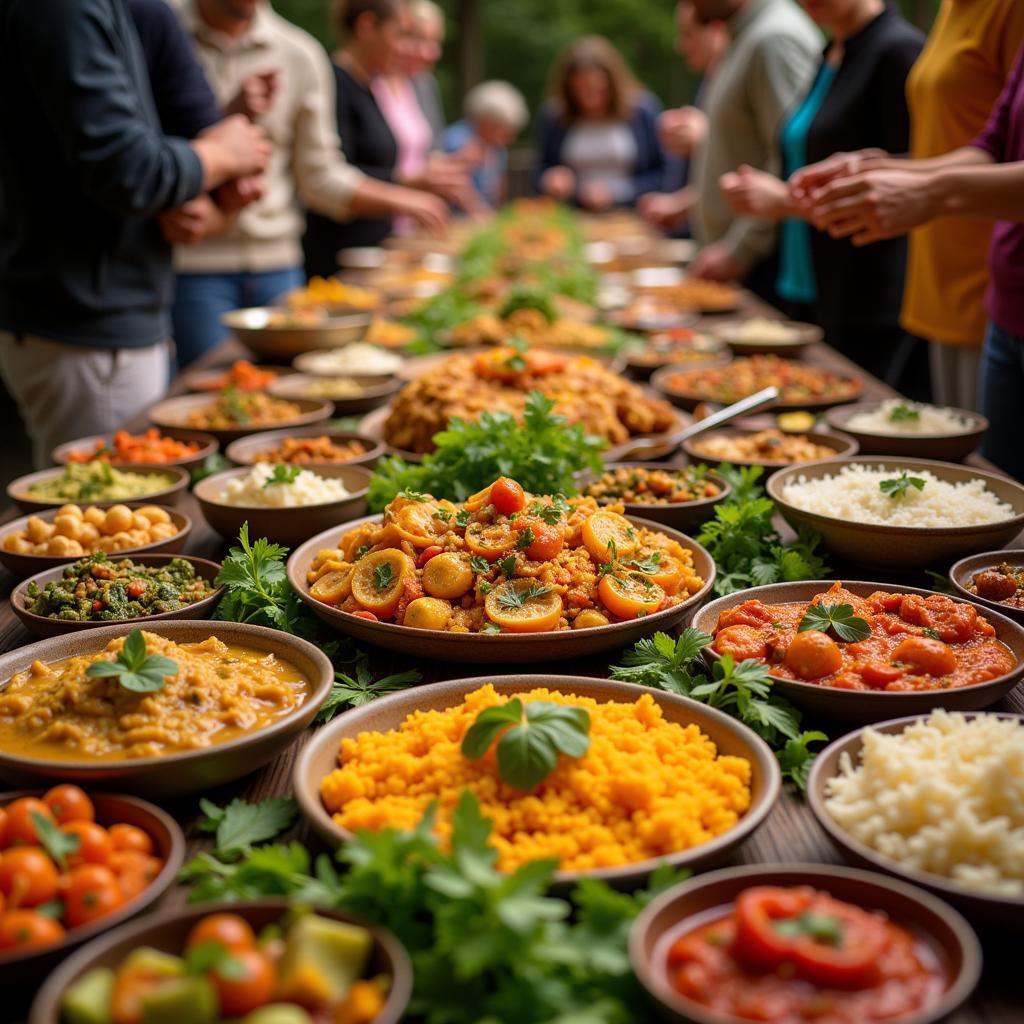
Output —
<point x="97" y="483"/>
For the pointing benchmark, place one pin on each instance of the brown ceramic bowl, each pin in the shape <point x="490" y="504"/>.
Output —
<point x="963" y="571"/>
<point x="504" y="648"/>
<point x="207" y="446"/>
<point x="290" y="526"/>
<point x="167" y="932"/>
<point x="902" y="547"/>
<point x="945" y="447"/>
<point x="165" y="494"/>
<point x="185" y="772"/>
<point x="245" y="450"/>
<point x="417" y="366"/>
<point x="19" y="970"/>
<point x="843" y="446"/>
<point x="172" y="412"/>
<point x="253" y="328"/>
<point x="704" y="351"/>
<point x="801" y="335"/>
<point x="40" y="625"/>
<point x="862" y="706"/>
<point x="28" y="565"/>
<point x="985" y="909"/>
<point x="373" y="391"/>
<point x="943" y="929"/>
<point x="680" y="515"/>
<point x="211" y="380"/>
<point x="320" y="756"/>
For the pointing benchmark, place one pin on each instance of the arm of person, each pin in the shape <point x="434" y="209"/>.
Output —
<point x="550" y="176"/>
<point x="751" y="192"/>
<point x="653" y="177"/>
<point x="196" y="220"/>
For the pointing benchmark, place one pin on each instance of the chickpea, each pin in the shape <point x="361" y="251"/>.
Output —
<point x="70" y="510"/>
<point x="68" y="526"/>
<point x="17" y="545"/>
<point x="121" y="540"/>
<point x="37" y="531"/>
<point x="813" y="654"/>
<point x="589" y="617"/>
<point x="88" y="533"/>
<point x="75" y="549"/>
<point x="447" y="575"/>
<point x="58" y="545"/>
<point x="104" y="544"/>
<point x="140" y="522"/>
<point x="95" y="515"/>
<point x="428" y="613"/>
<point x="162" y="531"/>
<point x="139" y="537"/>
<point x="154" y="514"/>
<point x="117" y="520"/>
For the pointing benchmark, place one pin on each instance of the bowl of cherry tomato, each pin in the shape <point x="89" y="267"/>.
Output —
<point x="72" y="865"/>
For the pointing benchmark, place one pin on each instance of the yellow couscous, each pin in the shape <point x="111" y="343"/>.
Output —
<point x="645" y="788"/>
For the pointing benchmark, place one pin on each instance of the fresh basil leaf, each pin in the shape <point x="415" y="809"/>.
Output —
<point x="54" y="840"/>
<point x="480" y="735"/>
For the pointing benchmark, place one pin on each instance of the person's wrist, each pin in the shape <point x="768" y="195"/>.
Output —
<point x="216" y="160"/>
<point x="943" y="191"/>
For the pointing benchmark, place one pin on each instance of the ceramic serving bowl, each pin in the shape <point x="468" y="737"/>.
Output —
<point x="373" y="391"/>
<point x="290" y="526"/>
<point x="43" y="626"/>
<point x="658" y="925"/>
<point x="320" y="757"/>
<point x="702" y="351"/>
<point x="840" y="443"/>
<point x="28" y="565"/>
<point x="901" y="547"/>
<point x="255" y="328"/>
<point x="945" y="447"/>
<point x="862" y="706"/>
<point x="162" y="493"/>
<point x="212" y="379"/>
<point x="503" y="648"/>
<point x="964" y="571"/>
<point x="168" y="931"/>
<point x="800" y="336"/>
<point x="207" y="446"/>
<point x="318" y="364"/>
<point x="186" y="772"/>
<point x="680" y="515"/>
<point x="417" y="366"/>
<point x="19" y="971"/>
<point x="980" y="907"/>
<point x="172" y="412"/>
<point x="246" y="450"/>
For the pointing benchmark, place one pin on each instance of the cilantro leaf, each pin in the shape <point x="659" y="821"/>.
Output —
<point x="837" y="618"/>
<point x="512" y="596"/>
<point x="213" y="956"/>
<point x="383" y="575"/>
<point x="904" y="414"/>
<point x="282" y="474"/>
<point x="479" y="564"/>
<point x="355" y="690"/>
<point x="897" y="487"/>
<point x="795" y="759"/>
<point x="135" y="669"/>
<point x="241" y="825"/>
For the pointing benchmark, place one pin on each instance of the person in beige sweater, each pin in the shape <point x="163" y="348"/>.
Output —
<point x="281" y="78"/>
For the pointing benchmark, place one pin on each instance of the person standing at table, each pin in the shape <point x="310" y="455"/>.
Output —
<point x="426" y="42"/>
<point x="85" y="170"/>
<point x="598" y="132"/>
<point x="260" y="258"/>
<point x="773" y="51"/>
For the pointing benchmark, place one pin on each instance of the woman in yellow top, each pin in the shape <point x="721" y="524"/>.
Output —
<point x="950" y="91"/>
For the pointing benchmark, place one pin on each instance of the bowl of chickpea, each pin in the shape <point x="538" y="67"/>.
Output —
<point x="50" y="538"/>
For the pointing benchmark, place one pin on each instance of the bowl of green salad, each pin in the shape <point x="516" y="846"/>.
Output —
<point x="97" y="483"/>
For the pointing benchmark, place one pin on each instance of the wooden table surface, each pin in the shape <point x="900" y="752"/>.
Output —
<point x="789" y="835"/>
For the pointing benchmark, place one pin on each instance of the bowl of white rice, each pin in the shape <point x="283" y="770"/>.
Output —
<point x="284" y="503"/>
<point x="356" y="360"/>
<point x="900" y="427"/>
<point x="900" y="513"/>
<point x="765" y="336"/>
<point x="937" y="800"/>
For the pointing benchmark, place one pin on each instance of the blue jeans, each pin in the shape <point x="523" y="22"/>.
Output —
<point x="1002" y="385"/>
<point x="201" y="299"/>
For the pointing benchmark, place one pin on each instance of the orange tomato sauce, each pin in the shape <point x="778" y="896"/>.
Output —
<point x="915" y="643"/>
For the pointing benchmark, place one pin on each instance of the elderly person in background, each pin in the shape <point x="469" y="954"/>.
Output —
<point x="598" y="133"/>
<point x="425" y="43"/>
<point x="495" y="115"/>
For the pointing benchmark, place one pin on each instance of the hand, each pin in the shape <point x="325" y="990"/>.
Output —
<point x="876" y="204"/>
<point x="427" y="210"/>
<point x="558" y="182"/>
<point x="715" y="263"/>
<point x="755" y="193"/>
<point x="232" y="148"/>
<point x="595" y="195"/>
<point x="839" y="165"/>
<point x="256" y="95"/>
<point x="681" y="131"/>
<point x="667" y="210"/>
<point x="443" y="175"/>
<point x="197" y="219"/>
<point x="238" y="194"/>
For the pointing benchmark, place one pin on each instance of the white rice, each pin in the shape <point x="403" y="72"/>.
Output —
<point x="308" y="488"/>
<point x="854" y="495"/>
<point x="759" y="329"/>
<point x="945" y="796"/>
<point x="359" y="358"/>
<point x="932" y="420"/>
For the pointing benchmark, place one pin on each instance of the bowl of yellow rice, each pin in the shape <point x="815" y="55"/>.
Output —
<point x="664" y="780"/>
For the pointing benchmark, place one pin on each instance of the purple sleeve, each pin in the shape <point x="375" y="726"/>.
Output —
<point x="995" y="135"/>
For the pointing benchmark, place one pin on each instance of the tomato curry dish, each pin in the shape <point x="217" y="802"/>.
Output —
<point x="503" y="561"/>
<point x="1002" y="583"/>
<point x="797" y="955"/>
<point x="887" y="641"/>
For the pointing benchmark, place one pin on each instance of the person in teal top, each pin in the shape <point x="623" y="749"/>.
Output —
<point x="855" y="101"/>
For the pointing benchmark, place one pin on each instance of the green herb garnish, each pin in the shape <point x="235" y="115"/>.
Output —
<point x="135" y="669"/>
<point x="54" y="840"/>
<point x="214" y="956"/>
<point x="479" y="564"/>
<point x="282" y="474"/>
<point x="525" y="539"/>
<point x="383" y="576"/>
<point x="410" y="495"/>
<point x="241" y="825"/>
<point x="933" y="633"/>
<point x="823" y="928"/>
<point x="514" y="597"/>
<point x="903" y="414"/>
<point x="898" y="486"/>
<point x="507" y="565"/>
<point x="356" y="688"/>
<point x="837" y="618"/>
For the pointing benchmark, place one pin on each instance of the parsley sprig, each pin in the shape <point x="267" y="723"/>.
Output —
<point x="512" y="596"/>
<point x="835" y="618"/>
<point x="135" y="668"/>
<point x="898" y="486"/>
<point x="282" y="474"/>
<point x="904" y="414"/>
<point x="240" y="825"/>
<point x="358" y="687"/>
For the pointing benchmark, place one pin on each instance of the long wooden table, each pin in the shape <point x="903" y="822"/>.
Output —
<point x="789" y="835"/>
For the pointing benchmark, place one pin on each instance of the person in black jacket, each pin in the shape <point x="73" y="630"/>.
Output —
<point x="85" y="169"/>
<point x="856" y="101"/>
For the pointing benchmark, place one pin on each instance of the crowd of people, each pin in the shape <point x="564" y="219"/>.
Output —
<point x="162" y="164"/>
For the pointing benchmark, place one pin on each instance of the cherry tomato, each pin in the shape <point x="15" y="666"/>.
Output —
<point x="21" y="929"/>
<point x="94" y="843"/>
<point x="234" y="933"/>
<point x="813" y="655"/>
<point x="130" y="837"/>
<point x="547" y="542"/>
<point x="363" y="614"/>
<point x="135" y="871"/>
<point x="92" y="892"/>
<point x="21" y="829"/>
<point x="427" y="554"/>
<point x="69" y="803"/>
<point x="135" y="589"/>
<point x="507" y="496"/>
<point x="252" y="989"/>
<point x="3" y="827"/>
<point x="27" y="877"/>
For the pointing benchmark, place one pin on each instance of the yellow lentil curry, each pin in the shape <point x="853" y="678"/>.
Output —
<point x="645" y="788"/>
<point x="221" y="692"/>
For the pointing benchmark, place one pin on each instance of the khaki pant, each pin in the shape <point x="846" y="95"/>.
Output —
<point x="68" y="391"/>
<point x="955" y="373"/>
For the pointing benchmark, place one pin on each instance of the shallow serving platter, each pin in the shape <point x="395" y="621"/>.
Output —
<point x="504" y="648"/>
<point x="862" y="706"/>
<point x="320" y="756"/>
